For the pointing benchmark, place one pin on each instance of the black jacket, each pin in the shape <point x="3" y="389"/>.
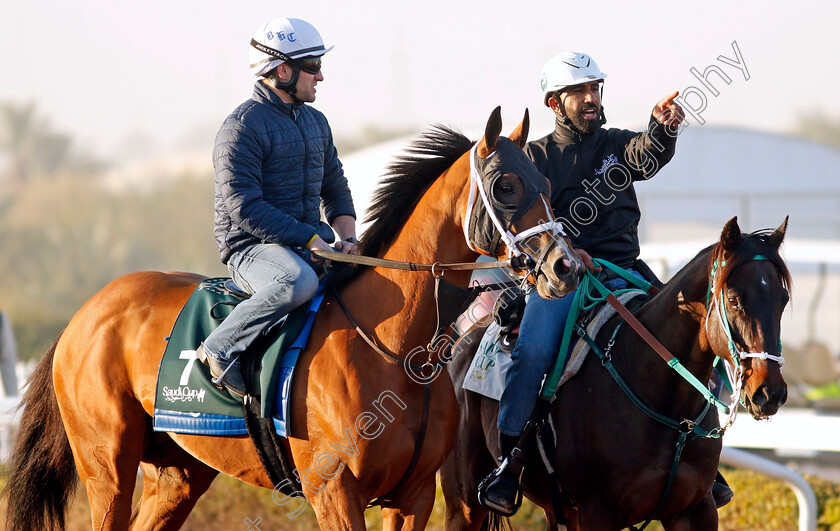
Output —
<point x="592" y="180"/>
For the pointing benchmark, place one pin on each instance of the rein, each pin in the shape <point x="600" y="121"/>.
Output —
<point x="516" y="260"/>
<point x="651" y="340"/>
<point x="655" y="344"/>
<point x="686" y="428"/>
<point x="513" y="263"/>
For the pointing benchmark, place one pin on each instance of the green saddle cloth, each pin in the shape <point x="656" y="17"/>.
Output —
<point x="186" y="401"/>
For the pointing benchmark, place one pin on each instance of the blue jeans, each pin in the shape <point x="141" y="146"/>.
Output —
<point x="279" y="281"/>
<point x="540" y="335"/>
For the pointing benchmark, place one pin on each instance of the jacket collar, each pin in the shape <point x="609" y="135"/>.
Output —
<point x="564" y="135"/>
<point x="263" y="94"/>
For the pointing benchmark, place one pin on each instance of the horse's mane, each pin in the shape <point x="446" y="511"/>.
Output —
<point x="408" y="177"/>
<point x="756" y="243"/>
<point x="753" y="244"/>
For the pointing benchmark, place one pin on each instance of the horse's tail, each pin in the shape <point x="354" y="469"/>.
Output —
<point x="42" y="475"/>
<point x="496" y="522"/>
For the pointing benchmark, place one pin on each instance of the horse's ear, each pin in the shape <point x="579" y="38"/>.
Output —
<point x="778" y="235"/>
<point x="731" y="235"/>
<point x="491" y="134"/>
<point x="520" y="134"/>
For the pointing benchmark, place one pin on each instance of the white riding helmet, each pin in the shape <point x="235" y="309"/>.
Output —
<point x="568" y="69"/>
<point x="282" y="40"/>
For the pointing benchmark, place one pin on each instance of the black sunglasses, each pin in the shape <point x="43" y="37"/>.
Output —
<point x="311" y="65"/>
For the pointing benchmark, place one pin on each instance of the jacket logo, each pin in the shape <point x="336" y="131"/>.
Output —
<point x="609" y="161"/>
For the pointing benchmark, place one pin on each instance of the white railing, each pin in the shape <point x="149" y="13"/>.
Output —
<point x="791" y="430"/>
<point x="9" y="419"/>
<point x="803" y="491"/>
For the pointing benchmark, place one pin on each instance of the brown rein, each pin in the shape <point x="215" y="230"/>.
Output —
<point x="411" y="266"/>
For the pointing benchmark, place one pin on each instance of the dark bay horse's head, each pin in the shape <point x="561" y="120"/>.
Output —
<point x="749" y="288"/>
<point x="508" y="213"/>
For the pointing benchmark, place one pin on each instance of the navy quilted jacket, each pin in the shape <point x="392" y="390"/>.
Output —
<point x="275" y="165"/>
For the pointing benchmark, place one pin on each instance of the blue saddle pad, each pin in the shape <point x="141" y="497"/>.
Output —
<point x="186" y="401"/>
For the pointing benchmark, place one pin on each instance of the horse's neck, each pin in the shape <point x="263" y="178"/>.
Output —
<point x="401" y="304"/>
<point x="677" y="317"/>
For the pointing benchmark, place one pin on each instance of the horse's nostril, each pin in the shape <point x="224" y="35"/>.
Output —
<point x="563" y="266"/>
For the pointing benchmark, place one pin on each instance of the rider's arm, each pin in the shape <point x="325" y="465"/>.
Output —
<point x="335" y="192"/>
<point x="647" y="152"/>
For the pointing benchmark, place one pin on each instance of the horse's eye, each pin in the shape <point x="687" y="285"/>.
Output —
<point x="506" y="188"/>
<point x="734" y="302"/>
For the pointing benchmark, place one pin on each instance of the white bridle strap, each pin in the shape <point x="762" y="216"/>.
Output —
<point x="511" y="240"/>
<point x="735" y="372"/>
<point x="474" y="183"/>
<point x="764" y="356"/>
<point x="733" y="347"/>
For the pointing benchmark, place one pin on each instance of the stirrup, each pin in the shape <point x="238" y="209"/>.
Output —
<point x="486" y="482"/>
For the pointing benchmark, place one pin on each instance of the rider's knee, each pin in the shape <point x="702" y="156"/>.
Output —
<point x="305" y="285"/>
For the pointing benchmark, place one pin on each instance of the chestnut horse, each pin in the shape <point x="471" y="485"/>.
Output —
<point x="612" y="459"/>
<point x="94" y="391"/>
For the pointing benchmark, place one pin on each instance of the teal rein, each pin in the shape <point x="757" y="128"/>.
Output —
<point x="686" y="428"/>
<point x="585" y="300"/>
<point x="606" y="361"/>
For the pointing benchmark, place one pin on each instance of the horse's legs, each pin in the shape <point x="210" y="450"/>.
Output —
<point x="469" y="462"/>
<point x="462" y="508"/>
<point x="338" y="505"/>
<point x="173" y="480"/>
<point x="552" y="525"/>
<point x="109" y="470"/>
<point x="408" y="515"/>
<point x="703" y="516"/>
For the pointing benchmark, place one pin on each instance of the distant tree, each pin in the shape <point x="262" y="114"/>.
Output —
<point x="30" y="144"/>
<point x="370" y="135"/>
<point x="817" y="126"/>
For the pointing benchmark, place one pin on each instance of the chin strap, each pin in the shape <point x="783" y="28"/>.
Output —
<point x="290" y="86"/>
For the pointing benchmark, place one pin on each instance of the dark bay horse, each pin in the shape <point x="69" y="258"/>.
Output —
<point x="91" y="398"/>
<point x="612" y="459"/>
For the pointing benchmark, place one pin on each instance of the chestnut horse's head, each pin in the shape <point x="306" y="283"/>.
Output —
<point x="749" y="288"/>
<point x="509" y="214"/>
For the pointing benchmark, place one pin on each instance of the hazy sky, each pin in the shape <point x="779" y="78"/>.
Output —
<point x="110" y="71"/>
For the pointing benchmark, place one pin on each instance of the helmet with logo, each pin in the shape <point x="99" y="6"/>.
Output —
<point x="284" y="40"/>
<point x="568" y="69"/>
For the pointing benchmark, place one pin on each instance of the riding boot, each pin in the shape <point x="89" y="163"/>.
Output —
<point x="721" y="491"/>
<point x="225" y="375"/>
<point x="501" y="491"/>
